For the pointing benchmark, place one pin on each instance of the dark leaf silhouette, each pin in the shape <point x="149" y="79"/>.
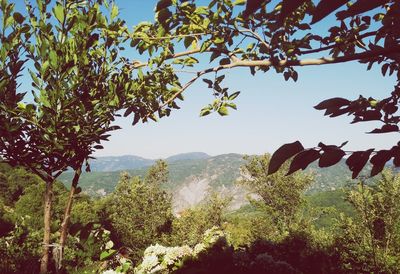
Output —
<point x="283" y="154"/>
<point x="325" y="7"/>
<point x="75" y="228"/>
<point x="379" y="160"/>
<point x="331" y="157"/>
<point x="357" y="161"/>
<point x="85" y="232"/>
<point x="288" y="7"/>
<point x="303" y="159"/>
<point x="359" y="7"/>
<point x="336" y="102"/>
<point x="368" y="115"/>
<point x="386" y="128"/>
<point x="396" y="156"/>
<point x="163" y="4"/>
<point x="252" y="6"/>
<point x="208" y="82"/>
<point x="136" y="119"/>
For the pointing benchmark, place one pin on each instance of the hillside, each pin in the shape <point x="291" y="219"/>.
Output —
<point x="192" y="175"/>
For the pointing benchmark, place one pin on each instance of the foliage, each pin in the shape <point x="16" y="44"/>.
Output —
<point x="31" y="204"/>
<point x="279" y="195"/>
<point x="327" y="206"/>
<point x="369" y="243"/>
<point x="20" y="249"/>
<point x="140" y="211"/>
<point x="191" y="224"/>
<point x="13" y="181"/>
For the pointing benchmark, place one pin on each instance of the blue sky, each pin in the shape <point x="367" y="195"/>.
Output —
<point x="270" y="112"/>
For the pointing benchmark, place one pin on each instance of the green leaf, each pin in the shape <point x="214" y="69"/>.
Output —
<point x="205" y="112"/>
<point x="21" y="105"/>
<point x="107" y="254"/>
<point x="44" y="67"/>
<point x="231" y="105"/>
<point x="239" y="2"/>
<point x="114" y="12"/>
<point x="219" y="40"/>
<point x="53" y="58"/>
<point x="59" y="13"/>
<point x="223" y="111"/>
<point x="234" y="95"/>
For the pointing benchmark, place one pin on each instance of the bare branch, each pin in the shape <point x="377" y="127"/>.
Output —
<point x="256" y="36"/>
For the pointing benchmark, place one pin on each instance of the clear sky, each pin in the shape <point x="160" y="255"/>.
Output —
<point x="270" y="112"/>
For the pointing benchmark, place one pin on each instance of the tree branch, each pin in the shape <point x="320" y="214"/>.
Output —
<point x="283" y="63"/>
<point x="367" y="34"/>
<point x="256" y="36"/>
<point x="313" y="62"/>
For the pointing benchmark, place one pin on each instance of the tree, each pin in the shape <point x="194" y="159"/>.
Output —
<point x="279" y="36"/>
<point x="140" y="211"/>
<point x="280" y="196"/>
<point x="77" y="88"/>
<point x="369" y="242"/>
<point x="80" y="82"/>
<point x="192" y="223"/>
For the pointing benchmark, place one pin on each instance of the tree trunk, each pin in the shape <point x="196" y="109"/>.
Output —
<point x="48" y="197"/>
<point x="67" y="216"/>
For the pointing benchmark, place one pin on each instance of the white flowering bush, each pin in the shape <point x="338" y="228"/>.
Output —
<point x="161" y="259"/>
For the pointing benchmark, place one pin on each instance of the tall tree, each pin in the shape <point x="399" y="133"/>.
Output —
<point x="281" y="196"/>
<point x="79" y="83"/>
<point x="370" y="241"/>
<point x="140" y="210"/>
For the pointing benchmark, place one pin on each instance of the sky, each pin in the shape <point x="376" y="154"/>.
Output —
<point x="271" y="111"/>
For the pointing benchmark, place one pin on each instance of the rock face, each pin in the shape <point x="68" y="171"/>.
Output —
<point x="191" y="194"/>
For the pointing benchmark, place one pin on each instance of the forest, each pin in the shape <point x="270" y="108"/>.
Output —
<point x="354" y="229"/>
<point x="70" y="70"/>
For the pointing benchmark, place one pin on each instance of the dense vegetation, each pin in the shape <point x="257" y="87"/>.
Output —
<point x="282" y="230"/>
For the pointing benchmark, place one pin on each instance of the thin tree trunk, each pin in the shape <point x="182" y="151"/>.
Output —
<point x="67" y="216"/>
<point x="48" y="197"/>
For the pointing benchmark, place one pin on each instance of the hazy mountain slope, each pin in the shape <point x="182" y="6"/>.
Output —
<point x="188" y="156"/>
<point x="114" y="163"/>
<point x="193" y="175"/>
<point x="128" y="162"/>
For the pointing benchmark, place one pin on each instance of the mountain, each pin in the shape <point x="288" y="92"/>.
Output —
<point x="113" y="163"/>
<point x="193" y="175"/>
<point x="191" y="178"/>
<point x="128" y="162"/>
<point x="188" y="156"/>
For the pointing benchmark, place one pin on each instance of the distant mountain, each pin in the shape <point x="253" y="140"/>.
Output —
<point x="193" y="175"/>
<point x="188" y="156"/>
<point x="128" y="162"/>
<point x="114" y="163"/>
<point x="190" y="179"/>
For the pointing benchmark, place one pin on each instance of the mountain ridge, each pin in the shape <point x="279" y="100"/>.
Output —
<point x="127" y="162"/>
<point x="193" y="175"/>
